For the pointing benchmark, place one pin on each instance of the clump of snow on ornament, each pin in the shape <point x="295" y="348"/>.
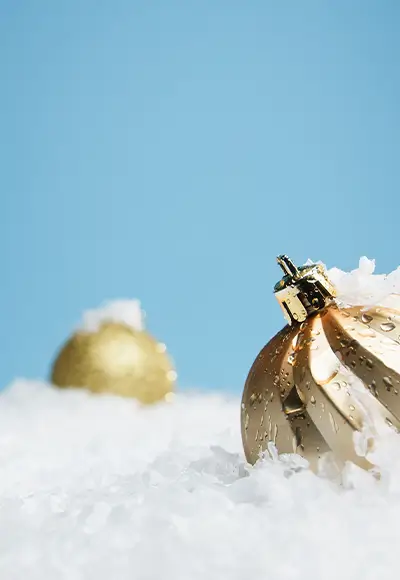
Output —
<point x="128" y="312"/>
<point x="362" y="286"/>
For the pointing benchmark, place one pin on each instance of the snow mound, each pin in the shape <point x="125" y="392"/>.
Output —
<point x="99" y="487"/>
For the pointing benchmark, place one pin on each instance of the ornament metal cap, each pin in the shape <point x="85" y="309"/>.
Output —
<point x="303" y="291"/>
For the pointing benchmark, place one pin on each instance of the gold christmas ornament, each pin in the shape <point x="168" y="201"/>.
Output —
<point x="324" y="375"/>
<point x="116" y="359"/>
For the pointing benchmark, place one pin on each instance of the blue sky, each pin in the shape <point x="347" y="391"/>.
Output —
<point x="169" y="150"/>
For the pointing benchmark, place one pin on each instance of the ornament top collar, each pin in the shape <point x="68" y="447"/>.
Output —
<point x="303" y="290"/>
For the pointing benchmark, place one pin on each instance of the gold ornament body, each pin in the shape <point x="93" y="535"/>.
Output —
<point x="116" y="359"/>
<point x="318" y="382"/>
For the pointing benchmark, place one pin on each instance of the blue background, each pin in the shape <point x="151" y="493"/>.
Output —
<point x="168" y="150"/>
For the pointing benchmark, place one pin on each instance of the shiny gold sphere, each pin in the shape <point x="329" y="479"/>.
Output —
<point x="116" y="359"/>
<point x="329" y="380"/>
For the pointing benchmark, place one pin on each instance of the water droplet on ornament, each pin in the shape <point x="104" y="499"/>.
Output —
<point x="369" y="364"/>
<point x="312" y="400"/>
<point x="275" y="432"/>
<point x="336" y="386"/>
<point x="339" y="355"/>
<point x="352" y="408"/>
<point x="366" y="318"/>
<point x="388" y="383"/>
<point x="333" y="423"/>
<point x="373" y="390"/>
<point x="389" y="423"/>
<point x="323" y="407"/>
<point x="246" y="422"/>
<point x="387" y="326"/>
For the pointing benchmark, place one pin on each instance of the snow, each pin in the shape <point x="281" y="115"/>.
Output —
<point x="362" y="286"/>
<point x="128" y="312"/>
<point x="100" y="488"/>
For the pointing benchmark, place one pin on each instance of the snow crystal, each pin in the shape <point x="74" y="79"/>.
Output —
<point x="100" y="487"/>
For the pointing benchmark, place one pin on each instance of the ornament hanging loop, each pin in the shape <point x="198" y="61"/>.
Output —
<point x="288" y="266"/>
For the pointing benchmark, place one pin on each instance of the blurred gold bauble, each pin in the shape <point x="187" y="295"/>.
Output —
<point x="116" y="359"/>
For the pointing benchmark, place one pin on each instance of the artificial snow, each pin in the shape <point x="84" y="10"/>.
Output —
<point x="101" y="488"/>
<point x="362" y="286"/>
<point x="128" y="312"/>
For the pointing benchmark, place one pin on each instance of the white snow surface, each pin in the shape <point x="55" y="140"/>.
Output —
<point x="100" y="488"/>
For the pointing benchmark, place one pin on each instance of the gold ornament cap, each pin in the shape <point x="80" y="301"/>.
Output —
<point x="302" y="291"/>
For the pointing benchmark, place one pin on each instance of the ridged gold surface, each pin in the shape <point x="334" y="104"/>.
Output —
<point x="299" y="393"/>
<point x="116" y="359"/>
